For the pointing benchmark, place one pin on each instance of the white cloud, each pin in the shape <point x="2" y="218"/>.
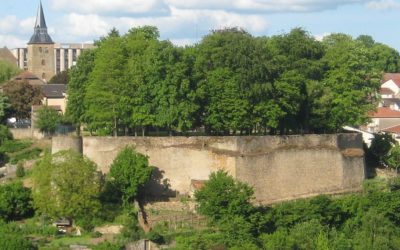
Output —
<point x="320" y="37"/>
<point x="262" y="5"/>
<point x="383" y="5"/>
<point x="107" y="6"/>
<point x="183" y="42"/>
<point x="11" y="41"/>
<point x="157" y="7"/>
<point x="181" y="24"/>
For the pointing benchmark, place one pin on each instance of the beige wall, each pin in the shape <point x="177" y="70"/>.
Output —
<point x="62" y="102"/>
<point x="38" y="53"/>
<point x="26" y="133"/>
<point x="279" y="168"/>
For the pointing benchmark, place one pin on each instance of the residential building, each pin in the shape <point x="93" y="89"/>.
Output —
<point x="387" y="115"/>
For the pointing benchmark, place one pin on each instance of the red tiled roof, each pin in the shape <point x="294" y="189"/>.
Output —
<point x="384" y="112"/>
<point x="386" y="91"/>
<point x="395" y="129"/>
<point x="395" y="77"/>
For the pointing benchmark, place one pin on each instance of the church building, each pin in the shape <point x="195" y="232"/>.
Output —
<point x="43" y="57"/>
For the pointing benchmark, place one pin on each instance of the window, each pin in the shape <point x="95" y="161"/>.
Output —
<point x="46" y="50"/>
<point x="43" y="75"/>
<point x="40" y="49"/>
<point x="43" y="62"/>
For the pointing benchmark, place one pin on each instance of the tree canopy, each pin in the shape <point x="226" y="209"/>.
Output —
<point x="21" y="96"/>
<point x="129" y="171"/>
<point x="66" y="185"/>
<point x="230" y="82"/>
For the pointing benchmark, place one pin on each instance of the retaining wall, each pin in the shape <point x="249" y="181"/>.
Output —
<point x="278" y="167"/>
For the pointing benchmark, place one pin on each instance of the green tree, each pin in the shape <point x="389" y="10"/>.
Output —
<point x="352" y="81"/>
<point x="393" y="158"/>
<point x="103" y="99"/>
<point x="66" y="185"/>
<point x="222" y="197"/>
<point x="77" y="86"/>
<point x="7" y="71"/>
<point x="47" y="119"/>
<point x="60" y="78"/>
<point x="144" y="69"/>
<point x="15" y="201"/>
<point x="5" y="108"/>
<point x="22" y="96"/>
<point x="129" y="171"/>
<point x="381" y="146"/>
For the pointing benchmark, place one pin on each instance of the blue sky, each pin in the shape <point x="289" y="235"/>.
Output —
<point x="187" y="21"/>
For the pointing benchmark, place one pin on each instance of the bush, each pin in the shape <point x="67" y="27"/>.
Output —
<point x="15" y="201"/>
<point x="12" y="146"/>
<point x="15" y="242"/>
<point x="47" y="120"/>
<point x="20" y="170"/>
<point x="222" y="197"/>
<point x="129" y="171"/>
<point x="155" y="237"/>
<point x="5" y="134"/>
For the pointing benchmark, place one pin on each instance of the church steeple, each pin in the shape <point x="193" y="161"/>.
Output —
<point x="40" y="35"/>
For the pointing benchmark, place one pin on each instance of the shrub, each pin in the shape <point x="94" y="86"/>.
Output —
<point x="5" y="134"/>
<point x="47" y="120"/>
<point x="222" y="197"/>
<point x="15" y="242"/>
<point x="15" y="201"/>
<point x="129" y="172"/>
<point x="20" y="170"/>
<point x="12" y="146"/>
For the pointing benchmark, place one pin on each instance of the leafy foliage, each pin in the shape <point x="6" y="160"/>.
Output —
<point x="66" y="185"/>
<point x="15" y="201"/>
<point x="7" y="70"/>
<point x="129" y="172"/>
<point x="47" y="120"/>
<point x="21" y="96"/>
<point x="230" y="82"/>
<point x="60" y="78"/>
<point x="222" y="197"/>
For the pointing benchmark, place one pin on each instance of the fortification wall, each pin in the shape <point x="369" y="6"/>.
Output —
<point x="278" y="167"/>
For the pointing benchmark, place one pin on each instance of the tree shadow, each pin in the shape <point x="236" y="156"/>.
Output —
<point x="158" y="188"/>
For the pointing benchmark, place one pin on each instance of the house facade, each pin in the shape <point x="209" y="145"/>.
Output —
<point x="386" y="118"/>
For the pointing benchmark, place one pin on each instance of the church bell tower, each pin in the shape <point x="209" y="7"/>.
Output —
<point x="41" y="49"/>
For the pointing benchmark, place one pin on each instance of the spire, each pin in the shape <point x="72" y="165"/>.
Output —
<point x="40" y="21"/>
<point x="40" y="35"/>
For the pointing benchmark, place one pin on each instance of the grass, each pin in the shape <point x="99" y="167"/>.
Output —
<point x="65" y="241"/>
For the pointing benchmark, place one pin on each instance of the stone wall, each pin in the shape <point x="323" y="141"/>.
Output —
<point x="278" y="167"/>
<point x="26" y="133"/>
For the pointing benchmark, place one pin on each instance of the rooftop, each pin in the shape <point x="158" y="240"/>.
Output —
<point x="384" y="112"/>
<point x="54" y="90"/>
<point x="40" y="35"/>
<point x="395" y="77"/>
